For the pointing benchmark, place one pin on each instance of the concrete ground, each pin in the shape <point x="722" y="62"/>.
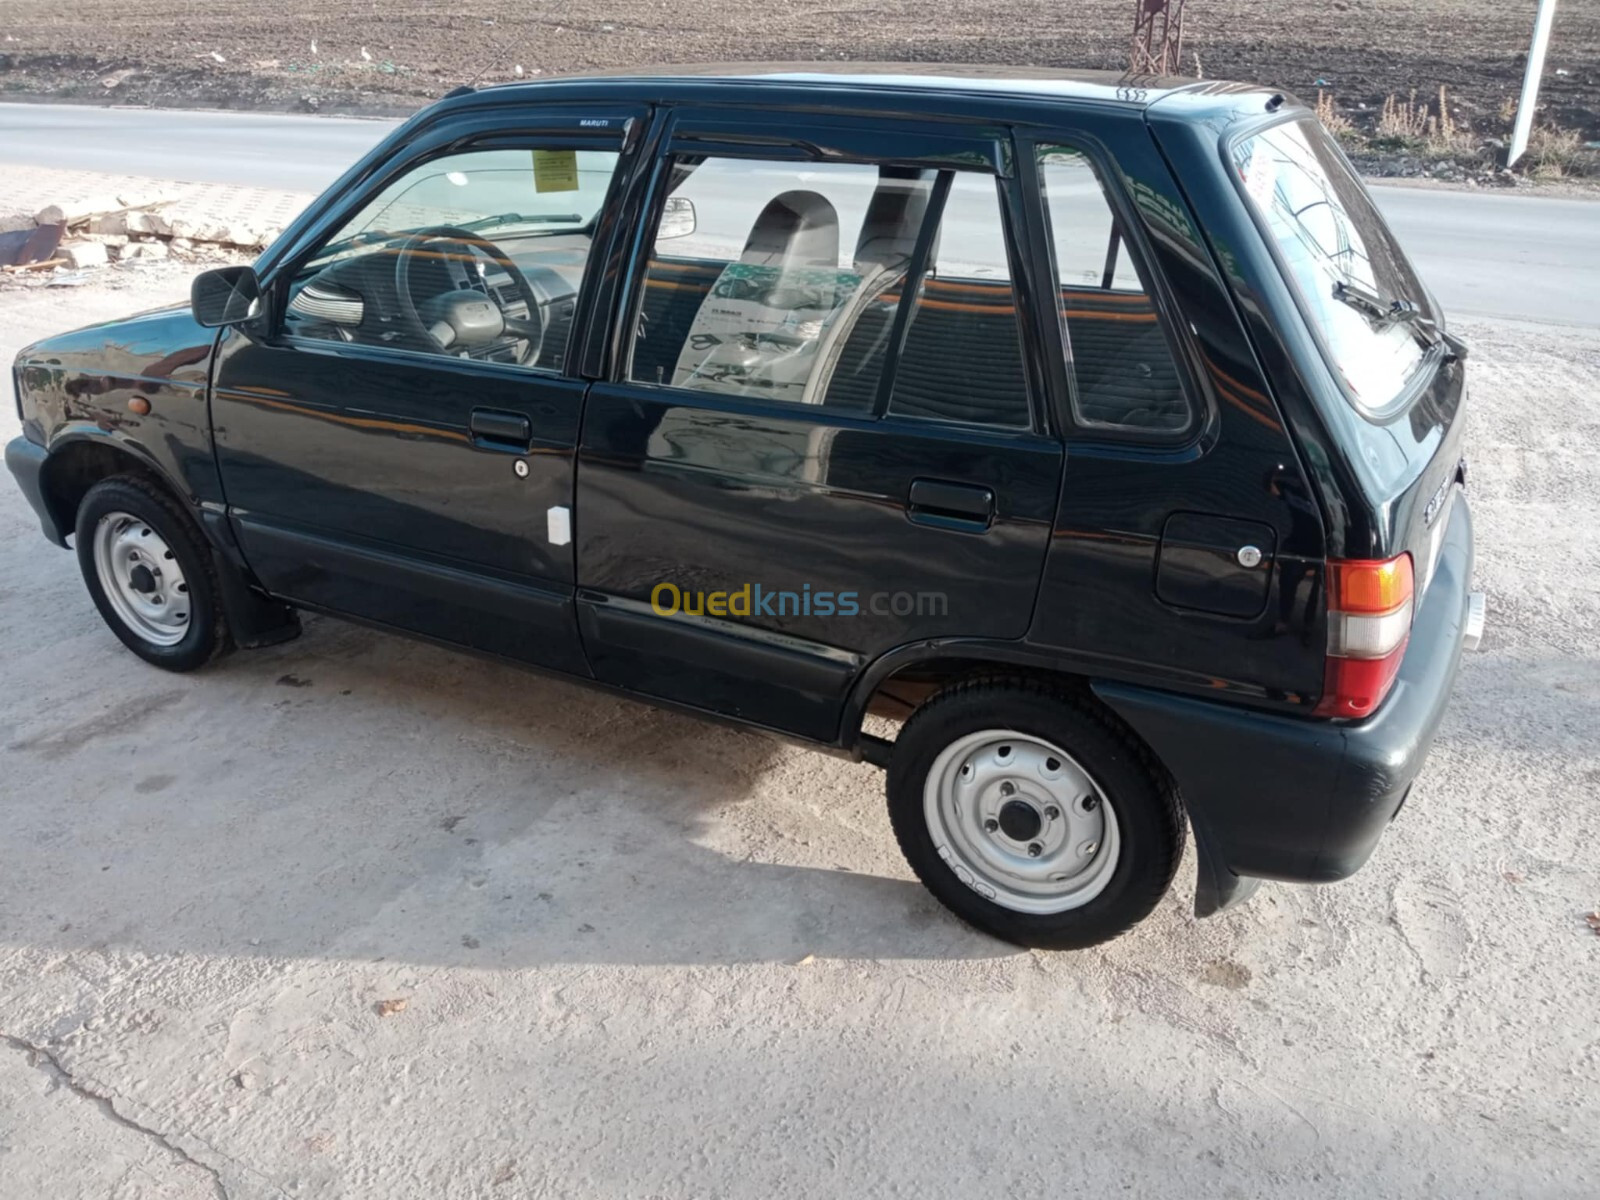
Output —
<point x="359" y="917"/>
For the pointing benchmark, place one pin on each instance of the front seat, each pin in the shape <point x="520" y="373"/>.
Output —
<point x="893" y="219"/>
<point x="757" y="330"/>
<point x="795" y="229"/>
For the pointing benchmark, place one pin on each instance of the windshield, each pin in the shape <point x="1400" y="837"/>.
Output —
<point x="1362" y="297"/>
<point x="486" y="190"/>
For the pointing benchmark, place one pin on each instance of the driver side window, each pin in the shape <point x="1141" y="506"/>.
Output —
<point x="475" y="255"/>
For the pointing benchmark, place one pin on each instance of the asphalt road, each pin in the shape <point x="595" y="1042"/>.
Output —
<point x="1531" y="258"/>
<point x="1528" y="258"/>
<point x="296" y="153"/>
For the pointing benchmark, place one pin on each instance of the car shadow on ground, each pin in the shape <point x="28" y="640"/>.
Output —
<point x="354" y="794"/>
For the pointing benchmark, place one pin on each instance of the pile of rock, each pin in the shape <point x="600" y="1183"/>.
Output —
<point x="134" y="228"/>
<point x="1480" y="172"/>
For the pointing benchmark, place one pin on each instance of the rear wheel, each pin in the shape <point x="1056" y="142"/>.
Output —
<point x="150" y="573"/>
<point x="1031" y="814"/>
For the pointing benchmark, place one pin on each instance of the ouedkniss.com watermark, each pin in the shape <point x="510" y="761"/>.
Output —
<point x="754" y="600"/>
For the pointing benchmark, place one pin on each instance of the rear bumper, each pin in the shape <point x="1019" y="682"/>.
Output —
<point x="26" y="460"/>
<point x="1276" y="797"/>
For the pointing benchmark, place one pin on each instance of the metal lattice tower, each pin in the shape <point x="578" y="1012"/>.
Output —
<point x="1157" y="38"/>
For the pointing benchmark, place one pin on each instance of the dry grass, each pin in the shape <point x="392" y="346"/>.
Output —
<point x="1553" y="152"/>
<point x="1431" y="131"/>
<point x="1558" y="153"/>
<point x="1334" y="121"/>
<point x="1403" y="121"/>
<point x="1444" y="136"/>
<point x="1409" y="125"/>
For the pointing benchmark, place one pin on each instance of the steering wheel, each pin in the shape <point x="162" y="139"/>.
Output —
<point x="456" y="318"/>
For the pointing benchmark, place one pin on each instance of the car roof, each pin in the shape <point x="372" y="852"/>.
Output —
<point x="976" y="80"/>
<point x="990" y="92"/>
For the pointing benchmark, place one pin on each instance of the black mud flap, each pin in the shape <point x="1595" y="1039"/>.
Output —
<point x="1216" y="888"/>
<point x="254" y="619"/>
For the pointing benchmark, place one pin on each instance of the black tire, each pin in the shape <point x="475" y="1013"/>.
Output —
<point x="207" y="633"/>
<point x="1148" y="814"/>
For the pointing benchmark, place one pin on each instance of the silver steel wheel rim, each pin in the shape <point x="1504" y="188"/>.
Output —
<point x="141" y="578"/>
<point x="977" y="801"/>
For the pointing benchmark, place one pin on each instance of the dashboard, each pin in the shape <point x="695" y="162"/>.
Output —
<point x="357" y="299"/>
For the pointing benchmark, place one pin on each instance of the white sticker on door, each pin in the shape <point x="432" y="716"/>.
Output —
<point x="558" y="523"/>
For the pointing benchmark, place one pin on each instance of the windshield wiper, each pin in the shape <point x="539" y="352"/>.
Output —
<point x="1371" y="303"/>
<point x="1385" y="313"/>
<point x="355" y="241"/>
<point x="523" y="219"/>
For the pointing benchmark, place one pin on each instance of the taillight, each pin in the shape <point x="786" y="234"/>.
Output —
<point x="1369" y="619"/>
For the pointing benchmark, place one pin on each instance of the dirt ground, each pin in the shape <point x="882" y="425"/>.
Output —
<point x="168" y="51"/>
<point x="359" y="917"/>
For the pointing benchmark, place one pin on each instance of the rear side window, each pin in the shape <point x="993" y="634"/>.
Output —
<point x="962" y="358"/>
<point x="1124" y="375"/>
<point x="1340" y="258"/>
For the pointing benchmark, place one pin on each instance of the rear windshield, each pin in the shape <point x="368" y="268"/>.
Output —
<point x="1339" y="257"/>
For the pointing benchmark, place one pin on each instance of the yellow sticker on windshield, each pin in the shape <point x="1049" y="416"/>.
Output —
<point x="555" y="170"/>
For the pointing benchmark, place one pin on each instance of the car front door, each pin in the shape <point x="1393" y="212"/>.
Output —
<point x="820" y="439"/>
<point x="396" y="437"/>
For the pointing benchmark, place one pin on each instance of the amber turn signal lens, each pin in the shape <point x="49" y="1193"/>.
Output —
<point x="1369" y="585"/>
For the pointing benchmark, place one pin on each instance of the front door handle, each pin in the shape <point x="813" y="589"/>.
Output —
<point x="498" y="430"/>
<point x="966" y="506"/>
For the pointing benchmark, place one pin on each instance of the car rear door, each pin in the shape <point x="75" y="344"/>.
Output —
<point x="371" y="475"/>
<point x="1393" y="409"/>
<point x="1188" y="544"/>
<point x="819" y="437"/>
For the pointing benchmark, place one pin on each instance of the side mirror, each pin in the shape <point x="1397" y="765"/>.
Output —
<point x="226" y="296"/>
<point x="677" y="219"/>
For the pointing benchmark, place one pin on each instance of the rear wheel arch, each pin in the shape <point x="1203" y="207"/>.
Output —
<point x="1143" y="824"/>
<point x="900" y="681"/>
<point x="914" y="684"/>
<point x="897" y="689"/>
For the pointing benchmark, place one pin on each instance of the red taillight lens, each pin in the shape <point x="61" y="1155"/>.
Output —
<point x="1354" y="687"/>
<point x="1370" y="603"/>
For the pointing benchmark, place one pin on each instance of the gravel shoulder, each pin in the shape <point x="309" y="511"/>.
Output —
<point x="643" y="956"/>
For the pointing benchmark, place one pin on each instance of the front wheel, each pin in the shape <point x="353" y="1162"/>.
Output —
<point x="1032" y="815"/>
<point x="150" y="573"/>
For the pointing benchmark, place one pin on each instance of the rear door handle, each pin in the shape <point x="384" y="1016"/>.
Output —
<point x="500" y="430"/>
<point x="966" y="506"/>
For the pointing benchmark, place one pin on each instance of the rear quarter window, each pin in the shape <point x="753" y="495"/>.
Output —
<point x="1327" y="232"/>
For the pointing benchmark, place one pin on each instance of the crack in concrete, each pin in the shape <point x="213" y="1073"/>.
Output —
<point x="43" y="1060"/>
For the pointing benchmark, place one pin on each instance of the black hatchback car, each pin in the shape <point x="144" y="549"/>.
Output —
<point x="1094" y="432"/>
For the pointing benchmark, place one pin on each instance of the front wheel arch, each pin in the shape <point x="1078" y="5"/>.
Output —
<point x="75" y="464"/>
<point x="179" y="593"/>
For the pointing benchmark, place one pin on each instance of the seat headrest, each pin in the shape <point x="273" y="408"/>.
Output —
<point x="893" y="219"/>
<point x="795" y="229"/>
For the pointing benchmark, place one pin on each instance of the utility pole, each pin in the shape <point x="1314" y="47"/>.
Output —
<point x="1530" y="80"/>
<point x="1158" y="38"/>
